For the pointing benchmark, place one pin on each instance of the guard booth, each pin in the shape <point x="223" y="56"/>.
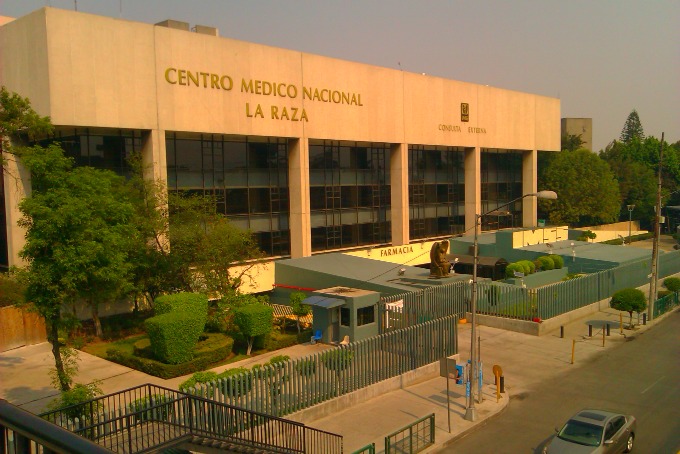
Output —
<point x="343" y="313"/>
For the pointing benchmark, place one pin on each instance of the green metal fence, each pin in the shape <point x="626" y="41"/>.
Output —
<point x="505" y="300"/>
<point x="368" y="449"/>
<point x="413" y="438"/>
<point x="410" y="308"/>
<point x="665" y="304"/>
<point x="296" y="384"/>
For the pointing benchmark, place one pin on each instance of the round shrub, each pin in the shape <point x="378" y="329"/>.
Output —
<point x="672" y="284"/>
<point x="528" y="266"/>
<point x="558" y="260"/>
<point x="546" y="262"/>
<point x="511" y="268"/>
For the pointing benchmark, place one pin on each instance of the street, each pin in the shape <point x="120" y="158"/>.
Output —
<point x="638" y="377"/>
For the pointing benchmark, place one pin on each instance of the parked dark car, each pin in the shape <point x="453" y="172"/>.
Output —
<point x="594" y="432"/>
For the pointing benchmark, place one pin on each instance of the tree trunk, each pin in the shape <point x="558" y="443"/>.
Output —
<point x="631" y="319"/>
<point x="298" y="323"/>
<point x="95" y="318"/>
<point x="250" y="344"/>
<point x="53" y="338"/>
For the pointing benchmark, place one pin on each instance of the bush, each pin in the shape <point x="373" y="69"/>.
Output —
<point x="547" y="263"/>
<point x="236" y="381"/>
<point x="587" y="235"/>
<point x="306" y="367"/>
<point x="337" y="359"/>
<point x="511" y="268"/>
<point x="531" y="265"/>
<point x="198" y="377"/>
<point x="174" y="335"/>
<point x="11" y="291"/>
<point x="254" y="320"/>
<point x="214" y="349"/>
<point x="77" y="395"/>
<point x="175" y="330"/>
<point x="195" y="303"/>
<point x="672" y="284"/>
<point x="558" y="261"/>
<point x="153" y="408"/>
<point x="629" y="300"/>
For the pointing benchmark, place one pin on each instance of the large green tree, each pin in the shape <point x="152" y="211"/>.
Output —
<point x="632" y="128"/>
<point x="588" y="192"/>
<point x="18" y="120"/>
<point x="572" y="142"/>
<point x="77" y="230"/>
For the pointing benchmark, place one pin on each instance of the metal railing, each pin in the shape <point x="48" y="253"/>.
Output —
<point x="23" y="432"/>
<point x="368" y="449"/>
<point x="665" y="304"/>
<point x="149" y="417"/>
<point x="505" y="300"/>
<point x="296" y="384"/>
<point x="413" y="438"/>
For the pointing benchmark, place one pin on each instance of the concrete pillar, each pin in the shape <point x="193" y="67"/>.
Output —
<point x="17" y="185"/>
<point x="298" y="186"/>
<point x="154" y="157"/>
<point x="155" y="163"/>
<point x="399" y="194"/>
<point x="473" y="187"/>
<point x="529" y="186"/>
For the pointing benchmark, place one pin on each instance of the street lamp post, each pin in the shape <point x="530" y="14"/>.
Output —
<point x="471" y="411"/>
<point x="630" y="221"/>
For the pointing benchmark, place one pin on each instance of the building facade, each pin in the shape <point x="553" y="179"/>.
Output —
<point x="310" y="153"/>
<point x="580" y="127"/>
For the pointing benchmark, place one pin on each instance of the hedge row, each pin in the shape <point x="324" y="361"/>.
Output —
<point x="175" y="329"/>
<point x="181" y="302"/>
<point x="215" y="348"/>
<point x="545" y="262"/>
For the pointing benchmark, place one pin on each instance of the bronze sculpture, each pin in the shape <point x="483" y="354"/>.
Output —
<point x="439" y="265"/>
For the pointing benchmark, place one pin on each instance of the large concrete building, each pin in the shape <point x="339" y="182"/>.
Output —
<point x="310" y="153"/>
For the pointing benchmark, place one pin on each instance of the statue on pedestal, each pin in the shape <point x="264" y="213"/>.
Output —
<point x="439" y="265"/>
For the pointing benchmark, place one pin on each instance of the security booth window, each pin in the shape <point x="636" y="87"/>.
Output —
<point x="344" y="316"/>
<point x="365" y="315"/>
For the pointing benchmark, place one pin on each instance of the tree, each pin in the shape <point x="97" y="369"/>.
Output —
<point x="17" y="120"/>
<point x="299" y="309"/>
<point x="632" y="129"/>
<point x="254" y="320"/>
<point x="77" y="228"/>
<point x="629" y="300"/>
<point x="572" y="142"/>
<point x="588" y="191"/>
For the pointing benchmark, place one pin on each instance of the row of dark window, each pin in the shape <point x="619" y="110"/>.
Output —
<point x="248" y="178"/>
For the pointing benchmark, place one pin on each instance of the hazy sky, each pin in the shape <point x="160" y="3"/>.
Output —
<point x="601" y="58"/>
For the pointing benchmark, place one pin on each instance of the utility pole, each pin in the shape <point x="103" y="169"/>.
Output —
<point x="655" y="247"/>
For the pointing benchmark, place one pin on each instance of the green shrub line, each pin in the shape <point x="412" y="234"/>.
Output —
<point x="214" y="349"/>
<point x="237" y="380"/>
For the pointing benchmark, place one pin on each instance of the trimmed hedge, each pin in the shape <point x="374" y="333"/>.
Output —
<point x="214" y="349"/>
<point x="672" y="284"/>
<point x="173" y="336"/>
<point x="254" y="319"/>
<point x="181" y="302"/>
<point x="558" y="260"/>
<point x="178" y="324"/>
<point x="511" y="268"/>
<point x="546" y="262"/>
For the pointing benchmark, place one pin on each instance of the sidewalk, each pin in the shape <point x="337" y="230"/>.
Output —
<point x="525" y="360"/>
